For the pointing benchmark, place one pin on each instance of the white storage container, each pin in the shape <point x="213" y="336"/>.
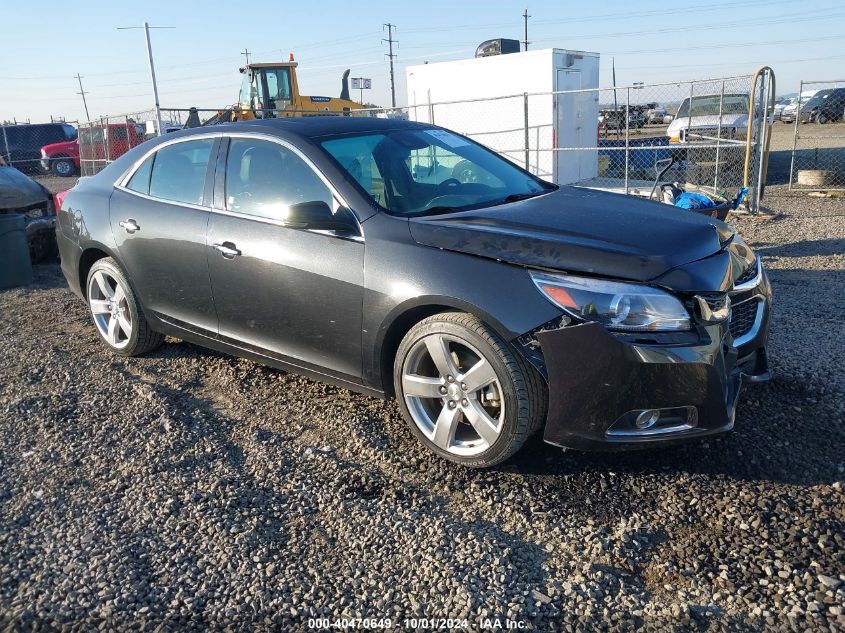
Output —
<point x="496" y="115"/>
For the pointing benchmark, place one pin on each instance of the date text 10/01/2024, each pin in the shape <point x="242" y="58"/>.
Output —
<point x="435" y="624"/>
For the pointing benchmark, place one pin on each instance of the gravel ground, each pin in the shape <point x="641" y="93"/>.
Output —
<point x="188" y="489"/>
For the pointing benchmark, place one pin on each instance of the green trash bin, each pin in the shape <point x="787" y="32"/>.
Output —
<point x="15" y="266"/>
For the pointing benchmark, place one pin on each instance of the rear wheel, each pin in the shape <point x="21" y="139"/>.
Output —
<point x="464" y="392"/>
<point x="118" y="316"/>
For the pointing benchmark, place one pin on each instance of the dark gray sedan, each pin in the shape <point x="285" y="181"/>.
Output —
<point x="401" y="259"/>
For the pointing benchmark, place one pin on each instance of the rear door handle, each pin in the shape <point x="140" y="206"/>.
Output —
<point x="129" y="225"/>
<point x="227" y="249"/>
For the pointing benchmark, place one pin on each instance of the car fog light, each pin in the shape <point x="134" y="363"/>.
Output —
<point x="647" y="419"/>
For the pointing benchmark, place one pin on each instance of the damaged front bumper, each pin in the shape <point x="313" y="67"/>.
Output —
<point x="609" y="390"/>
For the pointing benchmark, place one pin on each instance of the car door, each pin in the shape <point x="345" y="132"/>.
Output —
<point x="293" y="293"/>
<point x="159" y="218"/>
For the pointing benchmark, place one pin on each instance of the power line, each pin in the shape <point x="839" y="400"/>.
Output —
<point x="390" y="56"/>
<point x="83" y="93"/>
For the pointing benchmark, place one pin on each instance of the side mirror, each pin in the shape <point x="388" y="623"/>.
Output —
<point x="317" y="215"/>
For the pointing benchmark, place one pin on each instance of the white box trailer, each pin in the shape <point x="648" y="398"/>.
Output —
<point x="493" y="110"/>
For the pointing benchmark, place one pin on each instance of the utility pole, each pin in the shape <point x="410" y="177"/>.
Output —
<point x="390" y="41"/>
<point x="246" y="54"/>
<point x="153" y="76"/>
<point x="525" y="17"/>
<point x="83" y="93"/>
<point x="147" y="28"/>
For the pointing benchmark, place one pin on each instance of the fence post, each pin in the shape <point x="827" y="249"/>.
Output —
<point x="8" y="154"/>
<point x="525" y="125"/>
<point x="689" y="114"/>
<point x="764" y="130"/>
<point x="795" y="135"/>
<point x="718" y="136"/>
<point x="627" y="135"/>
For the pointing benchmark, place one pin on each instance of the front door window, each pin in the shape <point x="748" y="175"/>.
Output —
<point x="264" y="178"/>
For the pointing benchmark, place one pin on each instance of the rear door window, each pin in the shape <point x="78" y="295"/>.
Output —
<point x="179" y="171"/>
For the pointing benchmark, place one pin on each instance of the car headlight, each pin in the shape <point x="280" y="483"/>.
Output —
<point x="615" y="305"/>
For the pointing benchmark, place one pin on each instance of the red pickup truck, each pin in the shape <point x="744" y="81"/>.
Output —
<point x="97" y="145"/>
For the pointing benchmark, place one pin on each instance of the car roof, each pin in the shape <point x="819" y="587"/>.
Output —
<point x="317" y="126"/>
<point x="29" y="126"/>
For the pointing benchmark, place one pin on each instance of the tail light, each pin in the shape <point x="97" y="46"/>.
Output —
<point x="59" y="198"/>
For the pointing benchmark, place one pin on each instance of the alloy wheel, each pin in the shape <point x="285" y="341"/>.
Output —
<point x="107" y="299"/>
<point x="64" y="168"/>
<point x="453" y="394"/>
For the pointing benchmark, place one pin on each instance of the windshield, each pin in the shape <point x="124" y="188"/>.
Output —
<point x="709" y="105"/>
<point x="415" y="172"/>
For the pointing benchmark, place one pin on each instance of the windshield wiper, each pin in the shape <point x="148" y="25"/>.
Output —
<point x="516" y="197"/>
<point x="444" y="209"/>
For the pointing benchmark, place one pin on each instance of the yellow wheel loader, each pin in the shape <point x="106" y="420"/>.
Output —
<point x="270" y="90"/>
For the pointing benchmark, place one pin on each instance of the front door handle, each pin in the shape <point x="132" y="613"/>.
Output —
<point x="227" y="249"/>
<point x="130" y="225"/>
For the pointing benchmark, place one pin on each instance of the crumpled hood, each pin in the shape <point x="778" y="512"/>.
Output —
<point x="18" y="190"/>
<point x="579" y="230"/>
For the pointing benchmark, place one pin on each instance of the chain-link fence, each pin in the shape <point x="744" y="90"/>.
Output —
<point x="818" y="142"/>
<point x="701" y="132"/>
<point x="706" y="134"/>
<point x="104" y="139"/>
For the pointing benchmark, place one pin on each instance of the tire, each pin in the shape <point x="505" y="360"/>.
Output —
<point x="63" y="167"/>
<point x="821" y="118"/>
<point x="483" y="375"/>
<point x="117" y="315"/>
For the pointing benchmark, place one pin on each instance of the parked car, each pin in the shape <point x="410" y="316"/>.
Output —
<point x="828" y="106"/>
<point x="710" y="115"/>
<point x="781" y="105"/>
<point x="20" y="144"/>
<point x="21" y="194"/>
<point x="615" y="119"/>
<point x="790" y="111"/>
<point x="489" y="308"/>
<point x="655" y="115"/>
<point x="62" y="159"/>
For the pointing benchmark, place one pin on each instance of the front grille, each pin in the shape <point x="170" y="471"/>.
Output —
<point x="743" y="316"/>
<point x="696" y="133"/>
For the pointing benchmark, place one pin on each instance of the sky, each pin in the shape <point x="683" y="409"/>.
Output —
<point x="197" y="60"/>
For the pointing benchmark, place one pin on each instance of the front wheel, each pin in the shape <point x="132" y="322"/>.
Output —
<point x="63" y="167"/>
<point x="118" y="316"/>
<point x="464" y="392"/>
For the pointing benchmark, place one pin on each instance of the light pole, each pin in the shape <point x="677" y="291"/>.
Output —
<point x="147" y="28"/>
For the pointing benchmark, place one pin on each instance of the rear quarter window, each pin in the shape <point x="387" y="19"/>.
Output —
<point x="140" y="180"/>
